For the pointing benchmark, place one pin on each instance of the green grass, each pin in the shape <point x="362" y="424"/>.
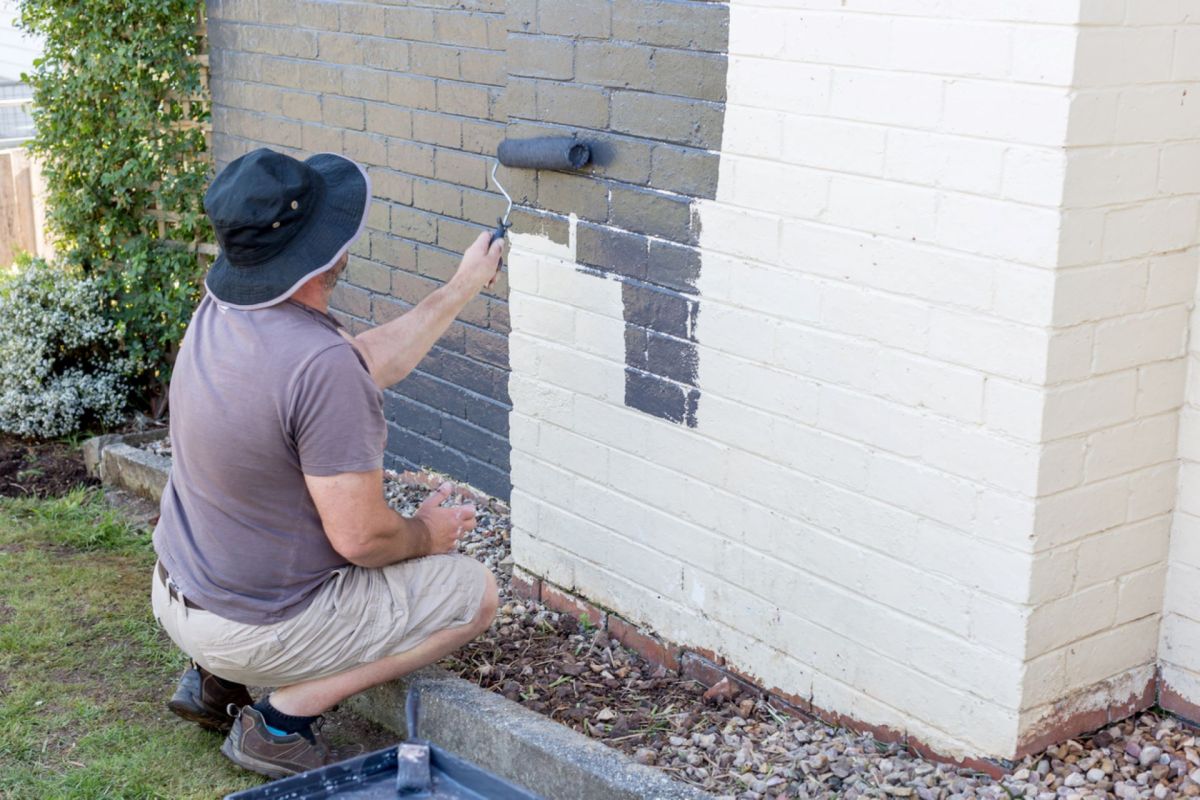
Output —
<point x="84" y="669"/>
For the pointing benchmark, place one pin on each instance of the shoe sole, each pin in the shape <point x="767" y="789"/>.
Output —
<point x="202" y="718"/>
<point x="253" y="764"/>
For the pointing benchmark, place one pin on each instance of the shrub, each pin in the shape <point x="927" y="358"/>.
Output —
<point x="120" y="133"/>
<point x="62" y="364"/>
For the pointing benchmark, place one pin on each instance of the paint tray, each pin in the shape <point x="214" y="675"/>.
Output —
<point x="373" y="777"/>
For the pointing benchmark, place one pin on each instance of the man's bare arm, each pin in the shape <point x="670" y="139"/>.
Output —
<point x="364" y="529"/>
<point x="394" y="349"/>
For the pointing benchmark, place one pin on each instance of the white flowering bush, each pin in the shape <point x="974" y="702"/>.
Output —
<point x="60" y="367"/>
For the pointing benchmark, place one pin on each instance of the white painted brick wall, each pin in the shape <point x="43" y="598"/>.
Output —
<point x="942" y="351"/>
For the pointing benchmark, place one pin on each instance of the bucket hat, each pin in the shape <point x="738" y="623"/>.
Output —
<point x="280" y="221"/>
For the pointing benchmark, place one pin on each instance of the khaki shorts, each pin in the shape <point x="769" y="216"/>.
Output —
<point x="358" y="616"/>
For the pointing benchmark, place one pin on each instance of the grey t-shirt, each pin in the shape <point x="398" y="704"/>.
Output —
<point x="259" y="399"/>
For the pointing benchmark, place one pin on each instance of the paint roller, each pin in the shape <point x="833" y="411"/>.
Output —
<point x="546" y="152"/>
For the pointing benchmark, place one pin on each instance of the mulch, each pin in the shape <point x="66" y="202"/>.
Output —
<point x="40" y="469"/>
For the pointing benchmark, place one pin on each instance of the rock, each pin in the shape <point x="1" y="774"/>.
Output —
<point x="1095" y="775"/>
<point x="646" y="756"/>
<point x="721" y="691"/>
<point x="1149" y="755"/>
<point x="1195" y="777"/>
<point x="1021" y="775"/>
<point x="1075" y="780"/>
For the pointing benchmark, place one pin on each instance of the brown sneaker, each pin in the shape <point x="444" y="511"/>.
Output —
<point x="202" y="699"/>
<point x="251" y="746"/>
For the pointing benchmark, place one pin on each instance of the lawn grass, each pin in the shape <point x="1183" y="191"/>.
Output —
<point x="84" y="669"/>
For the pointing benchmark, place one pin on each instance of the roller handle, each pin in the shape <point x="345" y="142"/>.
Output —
<point x="499" y="233"/>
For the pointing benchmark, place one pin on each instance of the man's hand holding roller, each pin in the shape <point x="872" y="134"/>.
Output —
<point x="394" y="349"/>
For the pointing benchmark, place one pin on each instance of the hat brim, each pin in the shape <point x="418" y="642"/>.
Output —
<point x="326" y="236"/>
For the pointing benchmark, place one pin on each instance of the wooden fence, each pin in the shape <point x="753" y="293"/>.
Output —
<point x="22" y="207"/>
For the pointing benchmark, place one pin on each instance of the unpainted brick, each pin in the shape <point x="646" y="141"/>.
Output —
<point x="301" y="105"/>
<point x="280" y="12"/>
<point x="319" y="139"/>
<point x="521" y="16"/>
<point x="361" y="247"/>
<point x="690" y="122"/>
<point x="519" y="98"/>
<point x="362" y="18"/>
<point x="483" y="66"/>
<point x="412" y="92"/>
<point x="278" y="41"/>
<point x="435" y="263"/>
<point x="434" y="60"/>
<point x="365" y="83"/>
<point x="385" y="309"/>
<point x="497" y="32"/>
<point x="456" y="235"/>
<point x="498" y="316"/>
<point x="395" y="187"/>
<point x="481" y="137"/>
<point x="388" y="54"/>
<point x="409" y="22"/>
<point x="541" y="57"/>
<point x="262" y="99"/>
<point x="663" y="215"/>
<point x="439" y="129"/>
<point x="343" y="113"/>
<point x="351" y="300"/>
<point x="317" y="14"/>
<point x="389" y="120"/>
<point x="412" y="223"/>
<point x="379" y="215"/>
<point x="590" y="19"/>
<point x="463" y="99"/>
<point x="412" y="288"/>
<point x="521" y="184"/>
<point x="684" y="170"/>
<point x="482" y="207"/>
<point x="461" y="28"/>
<point x="670" y="23"/>
<point x="554" y="227"/>
<point x="570" y="193"/>
<point x="463" y="169"/>
<point x="439" y="197"/>
<point x="365" y="148"/>
<point x="369" y="275"/>
<point x="340" y="48"/>
<point x="393" y="251"/>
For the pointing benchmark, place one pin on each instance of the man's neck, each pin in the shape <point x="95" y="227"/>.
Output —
<point x="313" y="296"/>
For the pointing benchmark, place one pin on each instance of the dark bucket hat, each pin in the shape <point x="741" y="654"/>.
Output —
<point x="281" y="221"/>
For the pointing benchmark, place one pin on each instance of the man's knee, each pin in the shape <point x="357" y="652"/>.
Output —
<point x="488" y="604"/>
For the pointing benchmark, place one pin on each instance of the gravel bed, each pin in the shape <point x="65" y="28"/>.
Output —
<point x="739" y="745"/>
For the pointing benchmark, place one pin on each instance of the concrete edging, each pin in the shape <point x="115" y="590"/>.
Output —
<point x="117" y="460"/>
<point x="517" y="744"/>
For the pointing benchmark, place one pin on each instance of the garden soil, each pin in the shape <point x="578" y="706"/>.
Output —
<point x="40" y="469"/>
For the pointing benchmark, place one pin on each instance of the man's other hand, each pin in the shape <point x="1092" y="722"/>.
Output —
<point x="445" y="525"/>
<point x="480" y="264"/>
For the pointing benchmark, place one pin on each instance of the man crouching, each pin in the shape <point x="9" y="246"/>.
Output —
<point x="279" y="561"/>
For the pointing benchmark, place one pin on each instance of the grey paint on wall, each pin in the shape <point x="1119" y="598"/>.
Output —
<point x="422" y="93"/>
<point x="644" y="82"/>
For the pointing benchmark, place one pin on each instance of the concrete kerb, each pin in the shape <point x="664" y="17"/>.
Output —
<point x="495" y="733"/>
<point x="119" y="461"/>
<point x="520" y="745"/>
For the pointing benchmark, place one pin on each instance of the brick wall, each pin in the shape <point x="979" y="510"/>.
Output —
<point x="415" y="93"/>
<point x="856" y="359"/>
<point x="1125" y="278"/>
<point x="940" y="319"/>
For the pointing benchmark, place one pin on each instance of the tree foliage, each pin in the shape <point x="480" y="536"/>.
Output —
<point x="118" y="133"/>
